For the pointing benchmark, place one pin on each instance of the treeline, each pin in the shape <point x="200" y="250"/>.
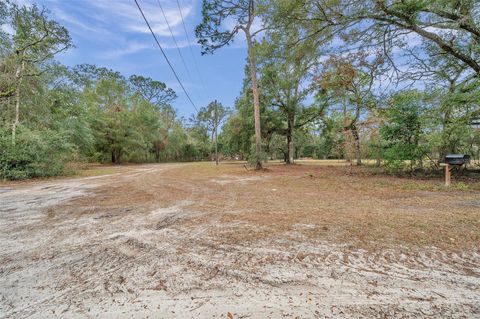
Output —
<point x="395" y="82"/>
<point x="52" y="115"/>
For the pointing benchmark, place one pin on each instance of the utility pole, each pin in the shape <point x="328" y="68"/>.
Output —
<point x="216" y="140"/>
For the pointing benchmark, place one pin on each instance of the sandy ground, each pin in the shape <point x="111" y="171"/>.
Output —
<point x="195" y="241"/>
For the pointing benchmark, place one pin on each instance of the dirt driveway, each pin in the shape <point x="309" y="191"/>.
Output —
<point x="196" y="241"/>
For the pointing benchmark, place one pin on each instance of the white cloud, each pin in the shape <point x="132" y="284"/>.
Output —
<point x="130" y="48"/>
<point x="115" y="25"/>
<point x="135" y="47"/>
<point x="125" y="15"/>
<point x="76" y="23"/>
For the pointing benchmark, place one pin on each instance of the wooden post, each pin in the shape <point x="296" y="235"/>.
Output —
<point x="447" y="175"/>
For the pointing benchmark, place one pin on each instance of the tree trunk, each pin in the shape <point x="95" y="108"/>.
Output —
<point x="356" y="141"/>
<point x="216" y="133"/>
<point x="19" y="76"/>
<point x="290" y="146"/>
<point x="116" y="157"/>
<point x="378" y="148"/>
<point x="256" y="101"/>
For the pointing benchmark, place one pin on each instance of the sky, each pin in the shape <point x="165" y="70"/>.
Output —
<point x="113" y="34"/>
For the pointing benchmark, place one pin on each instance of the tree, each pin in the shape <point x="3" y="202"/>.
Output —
<point x="167" y="117"/>
<point x="7" y="88"/>
<point x="452" y="26"/>
<point x="454" y="95"/>
<point x="154" y="92"/>
<point x="210" y="117"/>
<point x="237" y="130"/>
<point x="350" y="80"/>
<point x="36" y="39"/>
<point x="108" y="101"/>
<point x="331" y="138"/>
<point x="285" y="72"/>
<point x="403" y="130"/>
<point x="212" y="36"/>
<point x="158" y="95"/>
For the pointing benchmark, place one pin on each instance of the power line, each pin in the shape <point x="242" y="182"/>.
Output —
<point x="190" y="46"/>
<point x="174" y="40"/>
<point x="164" y="55"/>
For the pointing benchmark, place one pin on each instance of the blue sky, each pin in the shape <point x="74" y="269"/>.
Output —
<point x="112" y="33"/>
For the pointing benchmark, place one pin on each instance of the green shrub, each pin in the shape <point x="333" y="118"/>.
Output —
<point x="253" y="158"/>
<point x="403" y="132"/>
<point x="34" y="154"/>
<point x="395" y="166"/>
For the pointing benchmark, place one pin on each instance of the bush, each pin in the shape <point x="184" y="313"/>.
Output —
<point x="253" y="158"/>
<point x="34" y="154"/>
<point x="403" y="132"/>
<point x="395" y="167"/>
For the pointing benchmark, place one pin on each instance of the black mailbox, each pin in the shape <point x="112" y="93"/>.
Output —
<point x="457" y="159"/>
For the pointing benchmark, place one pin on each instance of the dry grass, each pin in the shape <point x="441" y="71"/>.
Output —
<point x="345" y="207"/>
<point x="313" y="201"/>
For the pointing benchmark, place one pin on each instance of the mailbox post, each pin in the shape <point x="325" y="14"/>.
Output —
<point x="448" y="174"/>
<point x="452" y="160"/>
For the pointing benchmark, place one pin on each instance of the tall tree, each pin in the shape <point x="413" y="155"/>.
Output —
<point x="212" y="36"/>
<point x="155" y="92"/>
<point x="350" y="80"/>
<point x="168" y="121"/>
<point x="454" y="91"/>
<point x="210" y="117"/>
<point x="285" y="75"/>
<point x="35" y="39"/>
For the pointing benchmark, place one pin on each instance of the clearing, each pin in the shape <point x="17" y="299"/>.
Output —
<point x="196" y="241"/>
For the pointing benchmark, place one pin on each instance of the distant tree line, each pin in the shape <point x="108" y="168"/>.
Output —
<point x="51" y="115"/>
